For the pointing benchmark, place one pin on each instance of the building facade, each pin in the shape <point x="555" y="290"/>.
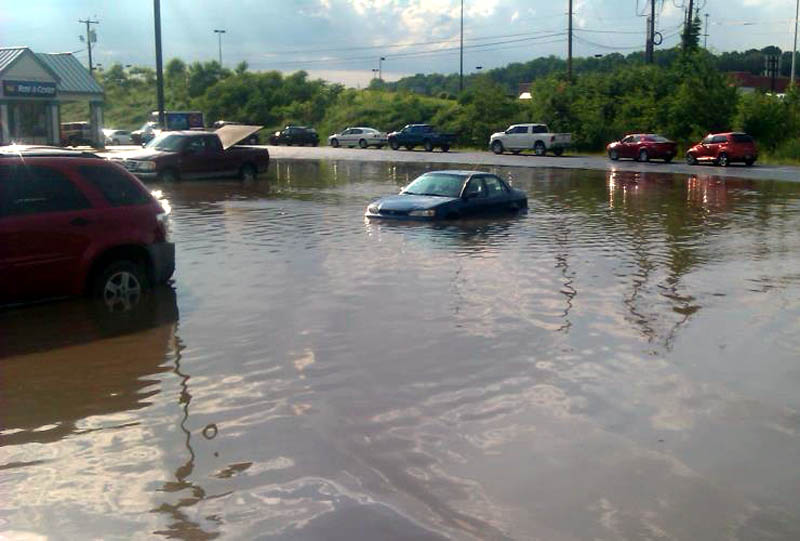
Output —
<point x="33" y="86"/>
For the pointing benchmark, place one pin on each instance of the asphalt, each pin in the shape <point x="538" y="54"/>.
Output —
<point x="487" y="158"/>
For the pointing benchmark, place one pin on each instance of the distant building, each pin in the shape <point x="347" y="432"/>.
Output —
<point x="747" y="83"/>
<point x="32" y="88"/>
<point x="524" y="91"/>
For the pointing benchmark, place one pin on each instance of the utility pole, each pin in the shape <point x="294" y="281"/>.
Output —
<point x="219" y="35"/>
<point x="689" y="18"/>
<point x="89" y="22"/>
<point x="159" y="70"/>
<point x="794" y="50"/>
<point x="651" y="34"/>
<point x="380" y="67"/>
<point x="569" y="44"/>
<point x="705" y="36"/>
<point x="461" y="70"/>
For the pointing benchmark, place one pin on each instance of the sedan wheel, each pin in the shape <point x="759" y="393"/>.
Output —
<point x="723" y="160"/>
<point x="691" y="160"/>
<point x="335" y="143"/>
<point x="613" y="155"/>
<point x="362" y="143"/>
<point x="643" y="156"/>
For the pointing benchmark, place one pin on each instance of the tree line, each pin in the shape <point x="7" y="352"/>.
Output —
<point x="684" y="95"/>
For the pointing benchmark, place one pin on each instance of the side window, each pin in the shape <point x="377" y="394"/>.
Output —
<point x="719" y="139"/>
<point x="520" y="129"/>
<point x="196" y="144"/>
<point x="627" y="140"/>
<point x="476" y="186"/>
<point x="708" y="140"/>
<point x="356" y="131"/>
<point x="494" y="188"/>
<point x="539" y="129"/>
<point x="346" y="132"/>
<point x="115" y="185"/>
<point x="35" y="190"/>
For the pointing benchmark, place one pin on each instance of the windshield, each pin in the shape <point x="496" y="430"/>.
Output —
<point x="170" y="142"/>
<point x="439" y="184"/>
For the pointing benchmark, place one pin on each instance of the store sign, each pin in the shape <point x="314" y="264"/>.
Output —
<point x="29" y="89"/>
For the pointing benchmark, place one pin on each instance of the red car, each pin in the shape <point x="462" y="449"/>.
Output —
<point x="72" y="223"/>
<point x="723" y="149"/>
<point x="643" y="147"/>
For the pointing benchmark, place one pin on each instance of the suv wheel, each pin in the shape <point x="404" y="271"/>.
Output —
<point x="335" y="143"/>
<point x="428" y="146"/>
<point x="723" y="160"/>
<point x="120" y="285"/>
<point x="362" y="143"/>
<point x="445" y="147"/>
<point x="539" y="149"/>
<point x="691" y="160"/>
<point x="497" y="147"/>
<point x="394" y="144"/>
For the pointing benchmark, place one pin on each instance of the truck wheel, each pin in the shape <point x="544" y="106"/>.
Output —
<point x="335" y="143"/>
<point x="558" y="151"/>
<point x="497" y="147"/>
<point x="428" y="145"/>
<point x="120" y="285"/>
<point x="248" y="172"/>
<point x="539" y="149"/>
<point x="362" y="143"/>
<point x="445" y="147"/>
<point x="409" y="147"/>
<point x="168" y="175"/>
<point x="394" y="144"/>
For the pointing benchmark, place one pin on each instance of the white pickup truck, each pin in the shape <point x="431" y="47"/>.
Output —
<point x="536" y="137"/>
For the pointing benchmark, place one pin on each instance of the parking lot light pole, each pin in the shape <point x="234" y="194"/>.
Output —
<point x="219" y="36"/>
<point x="794" y="50"/>
<point x="159" y="69"/>
<point x="380" y="67"/>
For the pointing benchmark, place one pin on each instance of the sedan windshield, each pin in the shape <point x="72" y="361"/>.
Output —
<point x="438" y="184"/>
<point x="170" y="142"/>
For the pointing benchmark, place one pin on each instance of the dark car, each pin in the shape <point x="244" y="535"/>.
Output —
<point x="73" y="223"/>
<point x="643" y="147"/>
<point x="424" y="135"/>
<point x="295" y="135"/>
<point x="449" y="195"/>
<point x="192" y="154"/>
<point x="724" y="149"/>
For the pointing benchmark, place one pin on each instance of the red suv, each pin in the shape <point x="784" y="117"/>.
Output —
<point x="723" y="149"/>
<point x="73" y="223"/>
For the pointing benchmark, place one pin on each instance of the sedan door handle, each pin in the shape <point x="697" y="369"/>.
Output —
<point x="79" y="221"/>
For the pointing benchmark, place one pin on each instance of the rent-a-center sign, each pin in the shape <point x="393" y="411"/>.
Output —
<point x="29" y="89"/>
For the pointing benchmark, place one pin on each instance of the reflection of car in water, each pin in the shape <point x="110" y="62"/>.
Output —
<point x="75" y="359"/>
<point x="449" y="195"/>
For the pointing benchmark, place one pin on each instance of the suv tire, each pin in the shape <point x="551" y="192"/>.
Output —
<point x="120" y="285"/>
<point x="497" y="147"/>
<point x="723" y="160"/>
<point x="691" y="160"/>
<point x="394" y="144"/>
<point x="428" y="145"/>
<point x="335" y="143"/>
<point x="362" y="143"/>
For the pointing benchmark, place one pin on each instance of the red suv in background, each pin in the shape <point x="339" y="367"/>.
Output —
<point x="723" y="149"/>
<point x="73" y="223"/>
<point x="643" y="147"/>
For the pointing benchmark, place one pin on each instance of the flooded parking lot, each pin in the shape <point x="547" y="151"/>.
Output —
<point x="622" y="362"/>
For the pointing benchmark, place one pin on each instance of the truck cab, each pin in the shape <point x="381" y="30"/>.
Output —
<point x="536" y="137"/>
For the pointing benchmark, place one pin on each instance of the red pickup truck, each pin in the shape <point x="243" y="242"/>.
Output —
<point x="192" y="154"/>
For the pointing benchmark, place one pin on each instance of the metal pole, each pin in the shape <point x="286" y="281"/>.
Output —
<point x="569" y="44"/>
<point x="705" y="36"/>
<point x="380" y="67"/>
<point x="652" y="31"/>
<point x="159" y="70"/>
<point x="794" y="51"/>
<point x="219" y="35"/>
<point x="461" y="76"/>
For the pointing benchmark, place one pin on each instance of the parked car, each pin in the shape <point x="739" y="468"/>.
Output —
<point x="413" y="135"/>
<point x="363" y="137"/>
<point x="251" y="139"/>
<point x="643" y="147"/>
<point x="536" y="137"/>
<point x="73" y="223"/>
<point x="76" y="133"/>
<point x="295" y="135"/>
<point x="448" y="195"/>
<point x="724" y="149"/>
<point x="118" y="137"/>
<point x="190" y="154"/>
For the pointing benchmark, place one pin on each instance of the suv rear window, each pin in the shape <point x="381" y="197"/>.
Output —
<point x="33" y="189"/>
<point x="742" y="138"/>
<point x="114" y="184"/>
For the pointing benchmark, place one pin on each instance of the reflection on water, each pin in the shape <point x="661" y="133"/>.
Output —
<point x="605" y="366"/>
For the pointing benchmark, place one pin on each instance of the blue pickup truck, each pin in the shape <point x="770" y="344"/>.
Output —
<point x="413" y="135"/>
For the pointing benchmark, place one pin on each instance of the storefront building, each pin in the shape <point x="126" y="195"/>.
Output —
<point x="32" y="88"/>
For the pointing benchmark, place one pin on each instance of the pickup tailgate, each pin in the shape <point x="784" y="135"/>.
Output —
<point x="561" y="139"/>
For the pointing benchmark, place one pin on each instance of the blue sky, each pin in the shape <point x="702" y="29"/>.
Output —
<point x="341" y="40"/>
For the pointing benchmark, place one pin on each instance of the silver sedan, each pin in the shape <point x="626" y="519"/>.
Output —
<point x="363" y="137"/>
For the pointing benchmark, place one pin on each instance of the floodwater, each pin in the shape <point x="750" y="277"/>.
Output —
<point x="622" y="362"/>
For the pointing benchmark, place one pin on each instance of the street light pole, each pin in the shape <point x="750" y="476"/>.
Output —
<point x="794" y="51"/>
<point x="159" y="70"/>
<point x="461" y="76"/>
<point x="219" y="36"/>
<point x="380" y="67"/>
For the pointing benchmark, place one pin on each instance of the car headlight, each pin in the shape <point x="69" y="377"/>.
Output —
<point x="147" y="166"/>
<point x="373" y="209"/>
<point x="423" y="213"/>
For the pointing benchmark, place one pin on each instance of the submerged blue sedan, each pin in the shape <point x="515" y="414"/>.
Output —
<point x="449" y="195"/>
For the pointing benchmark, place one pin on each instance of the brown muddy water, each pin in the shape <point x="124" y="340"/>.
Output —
<point x="623" y="362"/>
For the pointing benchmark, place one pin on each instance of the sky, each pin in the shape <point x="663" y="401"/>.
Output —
<point x="342" y="40"/>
